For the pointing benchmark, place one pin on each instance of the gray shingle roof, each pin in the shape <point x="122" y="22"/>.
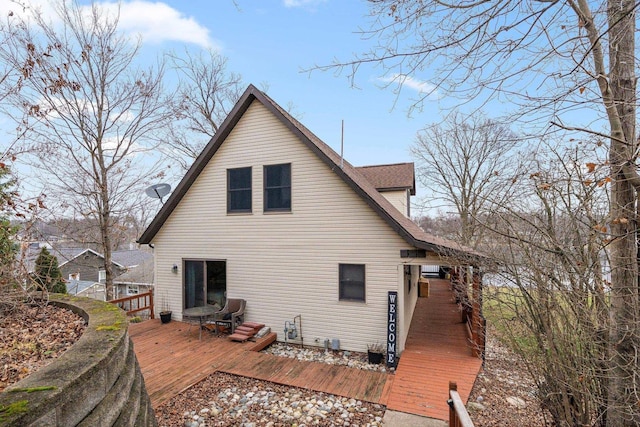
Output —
<point x="141" y="273"/>
<point x="131" y="258"/>
<point x="64" y="255"/>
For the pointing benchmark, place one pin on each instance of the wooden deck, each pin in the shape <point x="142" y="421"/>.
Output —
<point x="172" y="359"/>
<point x="437" y="351"/>
<point x="340" y="380"/>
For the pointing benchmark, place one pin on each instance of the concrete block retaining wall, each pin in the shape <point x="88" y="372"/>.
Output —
<point x="97" y="382"/>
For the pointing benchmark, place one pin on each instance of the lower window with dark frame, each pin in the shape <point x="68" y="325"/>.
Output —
<point x="352" y="282"/>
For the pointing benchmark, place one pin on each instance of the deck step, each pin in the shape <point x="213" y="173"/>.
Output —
<point x="253" y="325"/>
<point x="245" y="330"/>
<point x="239" y="337"/>
<point x="262" y="343"/>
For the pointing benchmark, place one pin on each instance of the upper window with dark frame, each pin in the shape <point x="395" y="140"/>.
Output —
<point x="352" y="284"/>
<point x="277" y="188"/>
<point x="239" y="190"/>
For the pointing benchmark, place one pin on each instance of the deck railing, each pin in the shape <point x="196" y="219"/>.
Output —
<point x="458" y="415"/>
<point x="136" y="303"/>
<point x="470" y="307"/>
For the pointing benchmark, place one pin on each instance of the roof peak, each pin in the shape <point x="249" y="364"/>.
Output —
<point x="406" y="228"/>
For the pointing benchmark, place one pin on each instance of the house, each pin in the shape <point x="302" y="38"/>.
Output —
<point x="87" y="265"/>
<point x="271" y="214"/>
<point x="138" y="279"/>
<point x="84" y="264"/>
<point x="397" y="183"/>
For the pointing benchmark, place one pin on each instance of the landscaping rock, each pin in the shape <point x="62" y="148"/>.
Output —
<point x="475" y="407"/>
<point x="243" y="401"/>
<point x="517" y="402"/>
<point x="351" y="359"/>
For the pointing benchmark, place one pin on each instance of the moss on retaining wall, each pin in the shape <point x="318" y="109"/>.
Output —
<point x="68" y="390"/>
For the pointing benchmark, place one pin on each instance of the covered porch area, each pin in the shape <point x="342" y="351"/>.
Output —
<point x="438" y="350"/>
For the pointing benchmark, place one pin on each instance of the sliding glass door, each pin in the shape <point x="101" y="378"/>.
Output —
<point x="205" y="282"/>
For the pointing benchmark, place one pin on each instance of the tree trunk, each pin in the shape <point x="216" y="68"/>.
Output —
<point x="108" y="265"/>
<point x="622" y="407"/>
<point x="105" y="231"/>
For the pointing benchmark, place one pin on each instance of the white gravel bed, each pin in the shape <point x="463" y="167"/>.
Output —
<point x="230" y="400"/>
<point x="317" y="354"/>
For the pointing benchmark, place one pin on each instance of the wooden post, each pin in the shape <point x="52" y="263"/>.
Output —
<point x="151" y="302"/>
<point x="458" y="415"/>
<point x="453" y="420"/>
<point x="477" y="321"/>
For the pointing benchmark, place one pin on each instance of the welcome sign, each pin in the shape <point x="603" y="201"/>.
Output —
<point x="392" y="331"/>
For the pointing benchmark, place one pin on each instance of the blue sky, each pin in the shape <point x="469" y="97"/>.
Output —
<point x="270" y="42"/>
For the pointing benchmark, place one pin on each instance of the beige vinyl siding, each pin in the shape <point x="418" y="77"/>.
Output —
<point x="399" y="199"/>
<point x="410" y="300"/>
<point x="284" y="264"/>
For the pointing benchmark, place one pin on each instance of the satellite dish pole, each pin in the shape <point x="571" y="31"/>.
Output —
<point x="158" y="191"/>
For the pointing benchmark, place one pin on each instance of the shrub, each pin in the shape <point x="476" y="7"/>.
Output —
<point x="47" y="273"/>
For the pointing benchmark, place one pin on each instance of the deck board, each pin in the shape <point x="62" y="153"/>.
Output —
<point x="334" y="379"/>
<point x="436" y="352"/>
<point x="172" y="359"/>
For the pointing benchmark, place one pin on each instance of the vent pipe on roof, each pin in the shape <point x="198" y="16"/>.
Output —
<point x="342" y="147"/>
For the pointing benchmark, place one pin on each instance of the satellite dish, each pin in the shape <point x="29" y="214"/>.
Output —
<point x="158" y="191"/>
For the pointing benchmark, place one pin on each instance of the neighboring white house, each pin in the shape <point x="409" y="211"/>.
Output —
<point x="271" y="214"/>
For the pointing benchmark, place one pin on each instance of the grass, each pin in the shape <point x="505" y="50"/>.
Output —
<point x="501" y="308"/>
<point x="510" y="311"/>
<point x="115" y="327"/>
<point x="33" y="389"/>
<point x="19" y="407"/>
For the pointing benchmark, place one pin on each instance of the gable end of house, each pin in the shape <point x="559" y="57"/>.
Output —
<point x="356" y="180"/>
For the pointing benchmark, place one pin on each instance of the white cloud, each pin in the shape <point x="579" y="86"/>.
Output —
<point x="303" y="3"/>
<point x="420" y="86"/>
<point x="156" y="22"/>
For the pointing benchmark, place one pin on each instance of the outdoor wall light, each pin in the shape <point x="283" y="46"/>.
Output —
<point x="174" y="269"/>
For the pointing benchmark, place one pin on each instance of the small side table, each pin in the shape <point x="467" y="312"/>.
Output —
<point x="201" y="313"/>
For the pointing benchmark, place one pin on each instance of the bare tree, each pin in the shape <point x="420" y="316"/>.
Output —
<point x="445" y="225"/>
<point x="92" y="115"/>
<point x="467" y="164"/>
<point x="547" y="58"/>
<point x="551" y="246"/>
<point x="207" y="92"/>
